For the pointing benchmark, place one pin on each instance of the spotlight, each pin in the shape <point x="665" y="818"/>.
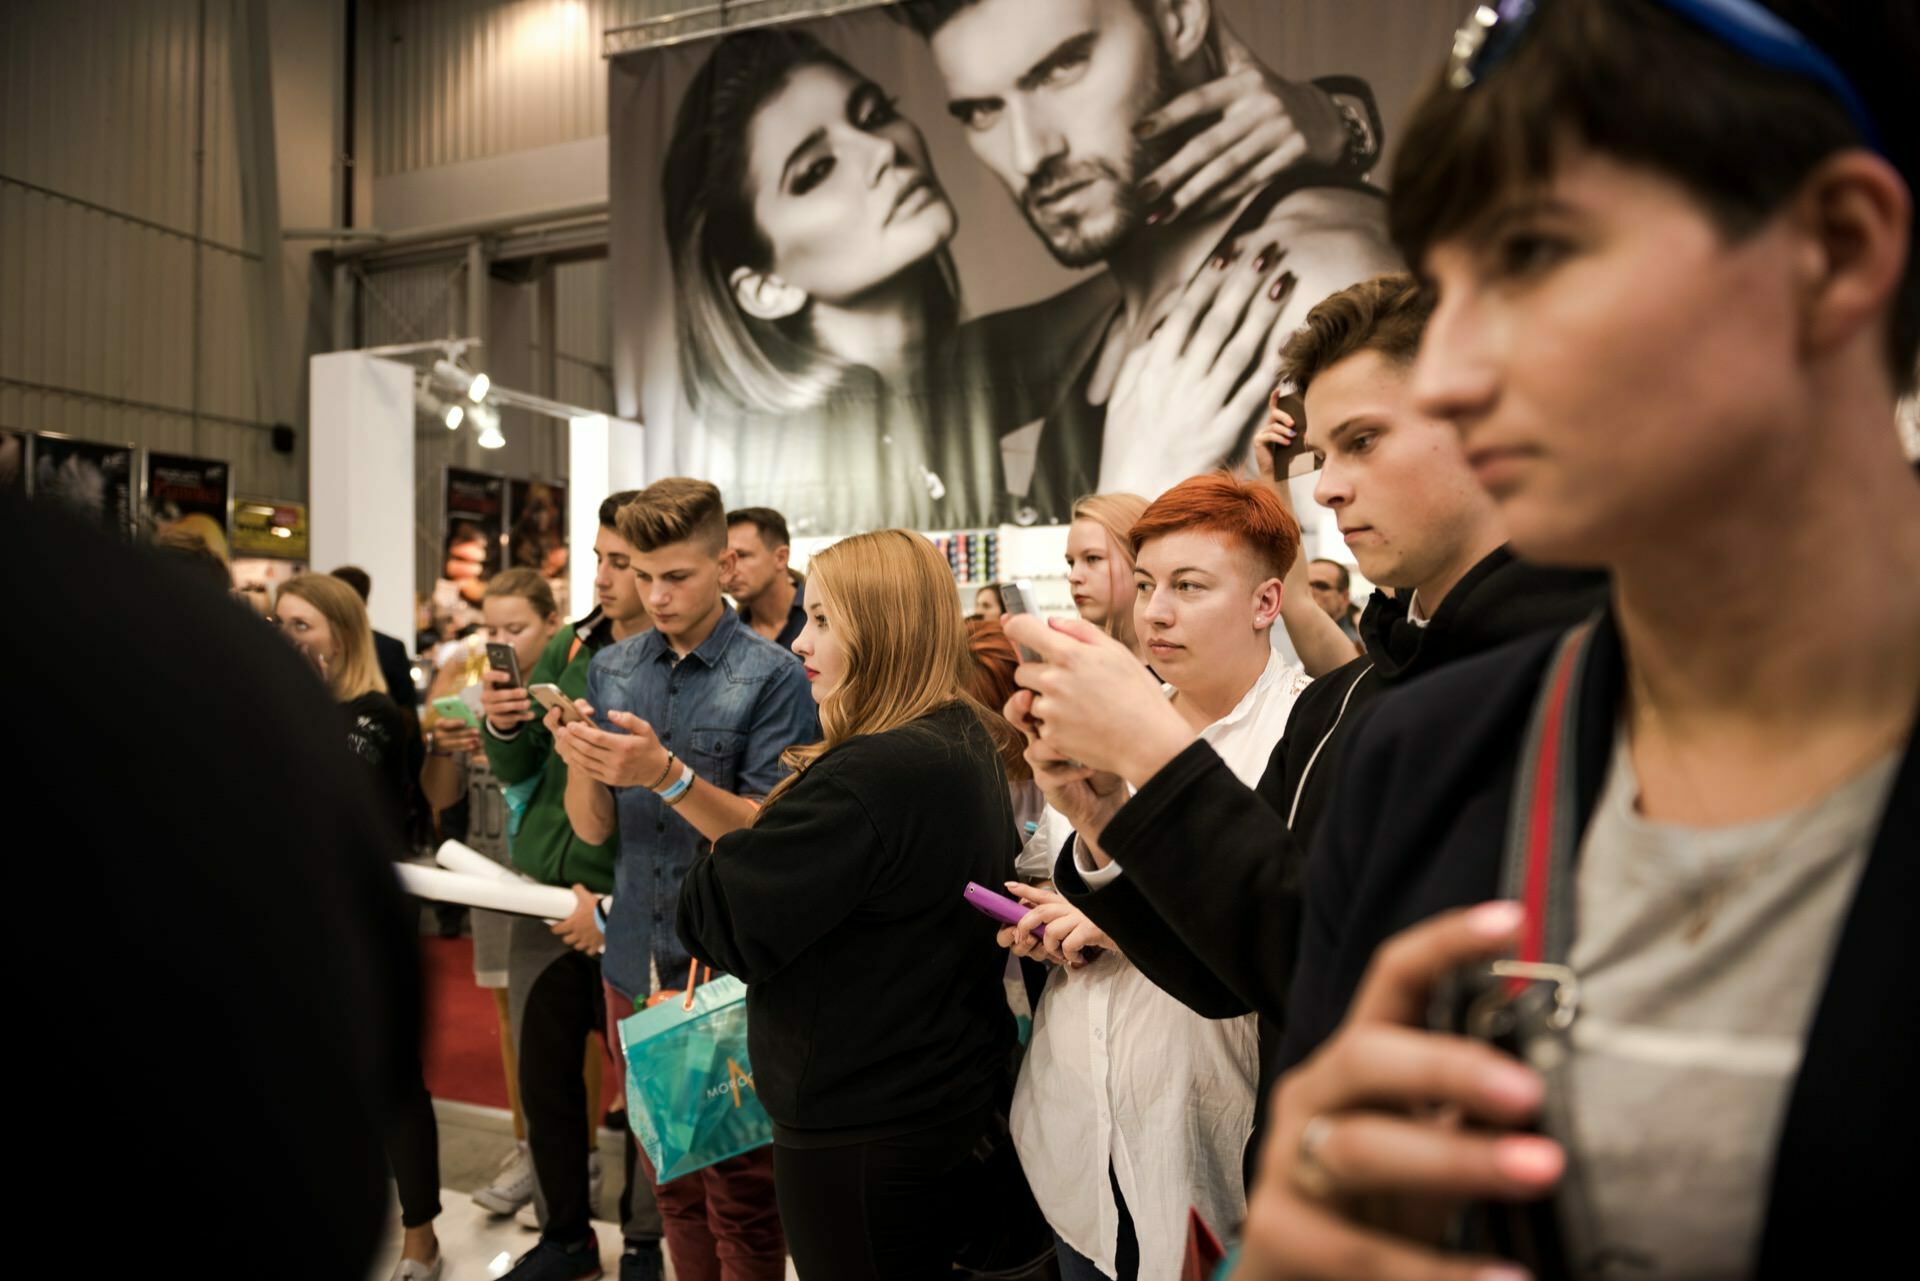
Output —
<point x="490" y="438"/>
<point x="486" y="420"/>
<point x="462" y="380"/>
<point x="478" y="392"/>
<point x="455" y="415"/>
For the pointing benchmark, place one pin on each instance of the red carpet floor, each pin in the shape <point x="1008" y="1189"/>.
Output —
<point x="462" y="1040"/>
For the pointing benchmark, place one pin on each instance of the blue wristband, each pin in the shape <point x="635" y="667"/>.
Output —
<point x="600" y="915"/>
<point x="680" y="788"/>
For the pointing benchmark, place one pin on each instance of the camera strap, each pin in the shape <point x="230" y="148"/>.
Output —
<point x="1543" y="823"/>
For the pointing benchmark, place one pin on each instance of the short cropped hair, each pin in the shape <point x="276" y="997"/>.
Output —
<point x="771" y="524"/>
<point x="356" y="578"/>
<point x="1346" y="580"/>
<point x="1237" y="510"/>
<point x="1649" y="89"/>
<point x="678" y="509"/>
<point x="610" y="508"/>
<point x="1386" y="314"/>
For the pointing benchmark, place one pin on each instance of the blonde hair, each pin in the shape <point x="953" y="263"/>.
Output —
<point x="1116" y="513"/>
<point x="890" y="597"/>
<point x="358" y="671"/>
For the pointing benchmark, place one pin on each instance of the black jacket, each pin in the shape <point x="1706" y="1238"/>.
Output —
<point x="1230" y="949"/>
<point x="874" y="996"/>
<point x="1446" y="755"/>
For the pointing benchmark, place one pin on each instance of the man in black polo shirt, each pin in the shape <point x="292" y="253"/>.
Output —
<point x="767" y="592"/>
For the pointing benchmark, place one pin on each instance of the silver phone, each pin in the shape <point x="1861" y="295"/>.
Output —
<point x="1014" y="597"/>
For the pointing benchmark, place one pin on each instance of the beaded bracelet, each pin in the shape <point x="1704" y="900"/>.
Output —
<point x="654" y="786"/>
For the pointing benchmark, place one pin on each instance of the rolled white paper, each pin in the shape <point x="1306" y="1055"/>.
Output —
<point x="456" y="857"/>
<point x="549" y="902"/>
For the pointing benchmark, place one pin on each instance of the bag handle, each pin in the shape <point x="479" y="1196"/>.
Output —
<point x="1542" y="830"/>
<point x="692" y="966"/>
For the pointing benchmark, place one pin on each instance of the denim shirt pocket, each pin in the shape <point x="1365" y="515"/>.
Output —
<point x="714" y="754"/>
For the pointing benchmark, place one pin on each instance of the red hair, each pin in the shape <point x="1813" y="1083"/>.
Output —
<point x="1237" y="510"/>
<point x="990" y="676"/>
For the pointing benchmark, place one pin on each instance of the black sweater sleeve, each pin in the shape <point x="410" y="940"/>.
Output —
<point x="762" y="895"/>
<point x="1155" y="947"/>
<point x="1214" y="861"/>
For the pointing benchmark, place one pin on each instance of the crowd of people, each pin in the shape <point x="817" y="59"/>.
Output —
<point x="1548" y="920"/>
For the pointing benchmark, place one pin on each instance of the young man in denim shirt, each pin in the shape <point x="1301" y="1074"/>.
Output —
<point x="688" y="724"/>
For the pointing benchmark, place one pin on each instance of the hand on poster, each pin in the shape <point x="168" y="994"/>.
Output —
<point x="633" y="758"/>
<point x="504" y="704"/>
<point x="467" y="561"/>
<point x="1184" y="396"/>
<point x="1266" y="125"/>
<point x="578" y="930"/>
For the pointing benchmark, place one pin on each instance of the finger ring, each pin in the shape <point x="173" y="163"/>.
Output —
<point x="1310" y="1173"/>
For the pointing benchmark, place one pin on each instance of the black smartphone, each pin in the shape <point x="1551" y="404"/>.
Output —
<point x="501" y="658"/>
<point x="1479" y="1002"/>
<point x="1014" y="597"/>
<point x="1283" y="455"/>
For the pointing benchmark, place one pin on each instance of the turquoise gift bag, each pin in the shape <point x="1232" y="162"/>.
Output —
<point x="690" y="1095"/>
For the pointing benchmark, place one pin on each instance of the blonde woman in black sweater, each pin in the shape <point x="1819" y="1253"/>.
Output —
<point x="878" y="1025"/>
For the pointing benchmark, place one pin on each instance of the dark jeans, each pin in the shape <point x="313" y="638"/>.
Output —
<point x="411" y="1133"/>
<point x="891" y="1209"/>
<point x="1075" y="1266"/>
<point x="722" y="1223"/>
<point x="556" y="995"/>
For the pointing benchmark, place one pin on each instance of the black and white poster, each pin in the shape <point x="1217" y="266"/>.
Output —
<point x="92" y="478"/>
<point x="953" y="263"/>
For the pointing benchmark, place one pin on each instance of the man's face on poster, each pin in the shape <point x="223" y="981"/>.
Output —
<point x="1048" y="92"/>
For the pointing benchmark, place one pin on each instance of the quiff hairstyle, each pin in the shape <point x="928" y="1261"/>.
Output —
<point x="1386" y="314"/>
<point x="675" y="510"/>
<point x="1235" y="510"/>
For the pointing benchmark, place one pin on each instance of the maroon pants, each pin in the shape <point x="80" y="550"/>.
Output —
<point x="722" y="1223"/>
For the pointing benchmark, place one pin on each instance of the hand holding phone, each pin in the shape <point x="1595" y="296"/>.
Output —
<point x="455" y="708"/>
<point x="1007" y="911"/>
<point x="553" y="699"/>
<point x="502" y="658"/>
<point x="1014" y="596"/>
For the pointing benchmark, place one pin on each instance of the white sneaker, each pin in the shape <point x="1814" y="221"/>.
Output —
<point x="529" y="1217"/>
<point x="414" y="1270"/>
<point x="512" y="1186"/>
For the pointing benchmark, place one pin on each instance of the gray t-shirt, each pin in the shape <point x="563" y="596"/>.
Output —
<point x="1701" y="955"/>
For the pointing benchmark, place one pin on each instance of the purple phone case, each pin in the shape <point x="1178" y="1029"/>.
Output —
<point x="1007" y="911"/>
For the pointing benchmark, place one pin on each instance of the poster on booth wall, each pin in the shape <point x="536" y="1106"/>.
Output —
<point x="916" y="257"/>
<point x="94" y="479"/>
<point x="269" y="527"/>
<point x="191" y="496"/>
<point x="13" y="462"/>
<point x="476" y="529"/>
<point x="537" y="538"/>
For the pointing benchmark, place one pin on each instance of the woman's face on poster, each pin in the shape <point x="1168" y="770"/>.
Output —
<point x="842" y="187"/>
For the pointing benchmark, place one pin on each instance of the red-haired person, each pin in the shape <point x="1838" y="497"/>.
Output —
<point x="1121" y="1076"/>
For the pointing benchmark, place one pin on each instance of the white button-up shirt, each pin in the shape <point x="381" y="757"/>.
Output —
<point x="1120" y="1073"/>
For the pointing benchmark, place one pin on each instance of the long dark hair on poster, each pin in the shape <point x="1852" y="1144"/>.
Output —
<point x="760" y="365"/>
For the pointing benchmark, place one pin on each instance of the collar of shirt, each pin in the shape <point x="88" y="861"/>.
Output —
<point x="653" y="646"/>
<point x="1256" y="721"/>
<point x="1416" y="615"/>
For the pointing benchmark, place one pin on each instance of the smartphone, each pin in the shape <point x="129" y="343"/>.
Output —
<point x="1485" y="1002"/>
<point x="501" y="658"/>
<point x="455" y="708"/>
<point x="1284" y="455"/>
<point x="550" y="696"/>
<point x="1000" y="907"/>
<point x="1014" y="597"/>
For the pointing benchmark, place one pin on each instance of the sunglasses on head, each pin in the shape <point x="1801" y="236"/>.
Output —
<point x="1492" y="30"/>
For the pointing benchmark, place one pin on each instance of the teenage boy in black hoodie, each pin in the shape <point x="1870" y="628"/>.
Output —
<point x="1711" y="817"/>
<point x="1221" y="936"/>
